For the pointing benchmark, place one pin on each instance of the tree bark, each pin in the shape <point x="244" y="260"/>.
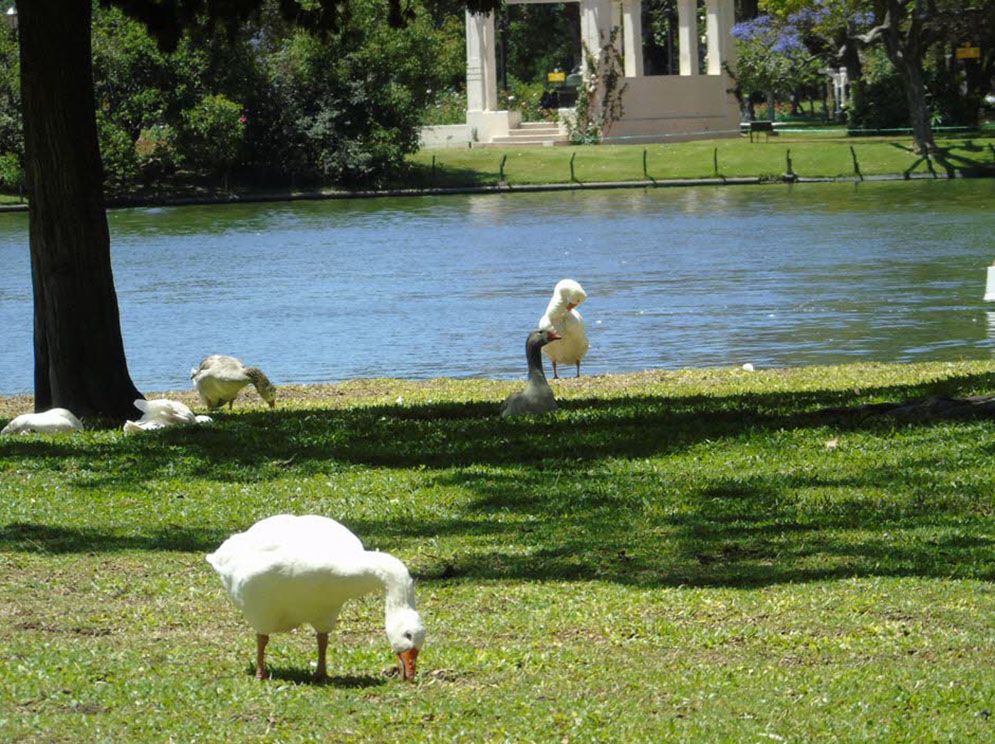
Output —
<point x="915" y="94"/>
<point x="79" y="352"/>
<point x="906" y="48"/>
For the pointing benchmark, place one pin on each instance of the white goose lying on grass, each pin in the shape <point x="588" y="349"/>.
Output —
<point x="562" y="315"/>
<point x="52" y="421"/>
<point x="219" y="379"/>
<point x="160" y="413"/>
<point x="286" y="570"/>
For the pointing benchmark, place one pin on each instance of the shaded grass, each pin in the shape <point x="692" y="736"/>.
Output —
<point x="705" y="555"/>
<point x="813" y="155"/>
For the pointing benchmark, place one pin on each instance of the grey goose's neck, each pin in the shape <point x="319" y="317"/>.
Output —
<point x="533" y="353"/>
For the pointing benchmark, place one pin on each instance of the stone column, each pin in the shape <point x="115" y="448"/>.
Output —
<point x="595" y="26"/>
<point x="687" y="35"/>
<point x="719" y="15"/>
<point x="481" y="67"/>
<point x="632" y="31"/>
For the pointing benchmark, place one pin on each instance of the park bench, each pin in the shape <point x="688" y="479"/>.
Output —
<point x="767" y="127"/>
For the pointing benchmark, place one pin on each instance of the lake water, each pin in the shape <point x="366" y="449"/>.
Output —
<point x="450" y="286"/>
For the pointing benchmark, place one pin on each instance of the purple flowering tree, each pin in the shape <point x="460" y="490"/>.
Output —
<point x="770" y="59"/>
<point x="907" y="30"/>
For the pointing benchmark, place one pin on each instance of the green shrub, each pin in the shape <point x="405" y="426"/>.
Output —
<point x="117" y="151"/>
<point x="11" y="173"/>
<point x="449" y="108"/>
<point x="877" y="100"/>
<point x="525" y="97"/>
<point x="215" y="130"/>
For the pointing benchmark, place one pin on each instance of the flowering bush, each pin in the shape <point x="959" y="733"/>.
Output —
<point x="156" y="151"/>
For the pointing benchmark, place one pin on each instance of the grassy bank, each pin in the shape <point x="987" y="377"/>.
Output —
<point x="813" y="155"/>
<point x="698" y="555"/>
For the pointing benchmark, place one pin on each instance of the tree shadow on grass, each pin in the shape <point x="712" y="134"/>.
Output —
<point x="544" y="501"/>
<point x="262" y="446"/>
<point x="742" y="532"/>
<point x="40" y="538"/>
<point x="953" y="164"/>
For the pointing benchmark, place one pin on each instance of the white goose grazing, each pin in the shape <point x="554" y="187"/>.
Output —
<point x="52" y="421"/>
<point x="286" y="570"/>
<point x="219" y="379"/>
<point x="537" y="397"/>
<point x="562" y="315"/>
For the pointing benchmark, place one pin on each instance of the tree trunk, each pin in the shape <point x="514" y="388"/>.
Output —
<point x="906" y="41"/>
<point x="915" y="94"/>
<point x="79" y="352"/>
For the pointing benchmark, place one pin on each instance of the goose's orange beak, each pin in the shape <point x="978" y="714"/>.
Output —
<point x="553" y="335"/>
<point x="571" y="306"/>
<point x="406" y="664"/>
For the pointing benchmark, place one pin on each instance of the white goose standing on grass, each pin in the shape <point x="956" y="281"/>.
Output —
<point x="52" y="421"/>
<point x="287" y="570"/>
<point x="562" y="315"/>
<point x="219" y="379"/>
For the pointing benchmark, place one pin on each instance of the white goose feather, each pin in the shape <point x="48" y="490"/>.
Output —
<point x="561" y="314"/>
<point x="52" y="421"/>
<point x="288" y="570"/>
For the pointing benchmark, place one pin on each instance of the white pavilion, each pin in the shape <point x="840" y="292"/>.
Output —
<point x="691" y="105"/>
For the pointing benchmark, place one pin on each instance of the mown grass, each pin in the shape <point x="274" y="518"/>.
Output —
<point x="813" y="155"/>
<point x="699" y="556"/>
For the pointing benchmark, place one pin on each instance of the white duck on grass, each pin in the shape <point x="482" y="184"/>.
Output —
<point x="288" y="570"/>
<point x="160" y="413"/>
<point x="52" y="421"/>
<point x="219" y="379"/>
<point x="561" y="314"/>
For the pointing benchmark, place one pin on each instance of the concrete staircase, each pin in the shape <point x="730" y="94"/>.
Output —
<point x="531" y="134"/>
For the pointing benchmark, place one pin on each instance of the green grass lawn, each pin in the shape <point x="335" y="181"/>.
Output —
<point x="813" y="155"/>
<point x="701" y="556"/>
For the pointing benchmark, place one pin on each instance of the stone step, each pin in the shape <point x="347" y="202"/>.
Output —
<point x="530" y="133"/>
<point x="521" y="141"/>
<point x="539" y="125"/>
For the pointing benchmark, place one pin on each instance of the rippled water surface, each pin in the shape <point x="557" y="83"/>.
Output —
<point x="450" y="286"/>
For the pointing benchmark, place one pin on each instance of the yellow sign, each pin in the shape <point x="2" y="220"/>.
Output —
<point x="556" y="77"/>
<point x="968" y="52"/>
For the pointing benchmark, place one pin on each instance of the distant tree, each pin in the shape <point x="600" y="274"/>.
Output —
<point x="771" y="58"/>
<point x="907" y="30"/>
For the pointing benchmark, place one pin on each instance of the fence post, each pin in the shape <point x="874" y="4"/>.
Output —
<point x="646" y="174"/>
<point x="431" y="180"/>
<point x="715" y="162"/>
<point x="572" y="178"/>
<point x="856" y="165"/>
<point x="503" y="159"/>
